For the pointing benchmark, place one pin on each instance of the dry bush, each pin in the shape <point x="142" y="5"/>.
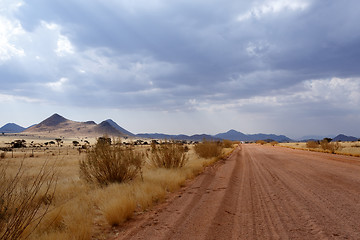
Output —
<point x="209" y="149"/>
<point x="227" y="143"/>
<point x="22" y="199"/>
<point x="2" y="155"/>
<point x="262" y="142"/>
<point x="312" y="144"/>
<point x="107" y="163"/>
<point x="273" y="143"/>
<point x="330" y="146"/>
<point x="168" y="155"/>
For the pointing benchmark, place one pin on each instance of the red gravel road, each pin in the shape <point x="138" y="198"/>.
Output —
<point x="261" y="192"/>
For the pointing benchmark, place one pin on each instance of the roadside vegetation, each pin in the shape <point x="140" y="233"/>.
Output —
<point x="24" y="198"/>
<point x="327" y="146"/>
<point x="270" y="142"/>
<point x="168" y="155"/>
<point x="75" y="192"/>
<point x="209" y="149"/>
<point x="106" y="163"/>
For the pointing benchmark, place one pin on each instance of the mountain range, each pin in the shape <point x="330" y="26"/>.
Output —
<point x="196" y="137"/>
<point x="57" y="125"/>
<point x="239" y="136"/>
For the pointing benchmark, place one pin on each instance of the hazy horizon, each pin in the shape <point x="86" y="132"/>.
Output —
<point x="184" y="67"/>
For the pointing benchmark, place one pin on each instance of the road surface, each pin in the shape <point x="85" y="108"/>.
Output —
<point x="261" y="192"/>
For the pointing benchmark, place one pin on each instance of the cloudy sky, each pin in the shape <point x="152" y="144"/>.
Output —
<point x="273" y="66"/>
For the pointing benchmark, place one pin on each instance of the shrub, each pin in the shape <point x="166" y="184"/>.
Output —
<point x="227" y="143"/>
<point x="168" y="155"/>
<point x="2" y="155"/>
<point x="107" y="163"/>
<point x="273" y="143"/>
<point x="22" y="200"/>
<point x="332" y="147"/>
<point x="312" y="144"/>
<point x="209" y="149"/>
<point x="262" y="142"/>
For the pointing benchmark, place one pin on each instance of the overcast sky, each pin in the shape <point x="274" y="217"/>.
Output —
<point x="273" y="66"/>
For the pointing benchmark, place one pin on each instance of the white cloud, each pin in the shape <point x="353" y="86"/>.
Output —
<point x="343" y="92"/>
<point x="64" y="46"/>
<point x="58" y="86"/>
<point x="273" y="7"/>
<point x="10" y="32"/>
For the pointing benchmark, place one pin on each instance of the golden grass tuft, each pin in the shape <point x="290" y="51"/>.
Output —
<point x="116" y="202"/>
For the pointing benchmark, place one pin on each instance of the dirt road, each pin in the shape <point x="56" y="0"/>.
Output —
<point x="262" y="192"/>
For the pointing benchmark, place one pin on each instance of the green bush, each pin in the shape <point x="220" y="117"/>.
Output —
<point x="106" y="163"/>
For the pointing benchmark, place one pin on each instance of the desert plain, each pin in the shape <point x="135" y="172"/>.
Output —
<point x="254" y="191"/>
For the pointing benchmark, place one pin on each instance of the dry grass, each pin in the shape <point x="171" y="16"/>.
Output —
<point x="344" y="148"/>
<point x="83" y="211"/>
<point x="24" y="199"/>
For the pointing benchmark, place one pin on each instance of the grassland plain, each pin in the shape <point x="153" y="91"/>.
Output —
<point x="83" y="211"/>
<point x="345" y="148"/>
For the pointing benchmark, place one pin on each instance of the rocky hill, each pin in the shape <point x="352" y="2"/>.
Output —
<point x="57" y="125"/>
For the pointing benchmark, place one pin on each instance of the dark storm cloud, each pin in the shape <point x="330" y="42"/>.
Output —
<point x="188" y="50"/>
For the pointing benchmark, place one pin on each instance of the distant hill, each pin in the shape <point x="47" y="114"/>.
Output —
<point x="57" y="125"/>
<point x="115" y="125"/>
<point x="344" y="138"/>
<point x="233" y="135"/>
<point x="11" y="128"/>
<point x="314" y="138"/>
<point x="196" y="137"/>
<point x="239" y="136"/>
